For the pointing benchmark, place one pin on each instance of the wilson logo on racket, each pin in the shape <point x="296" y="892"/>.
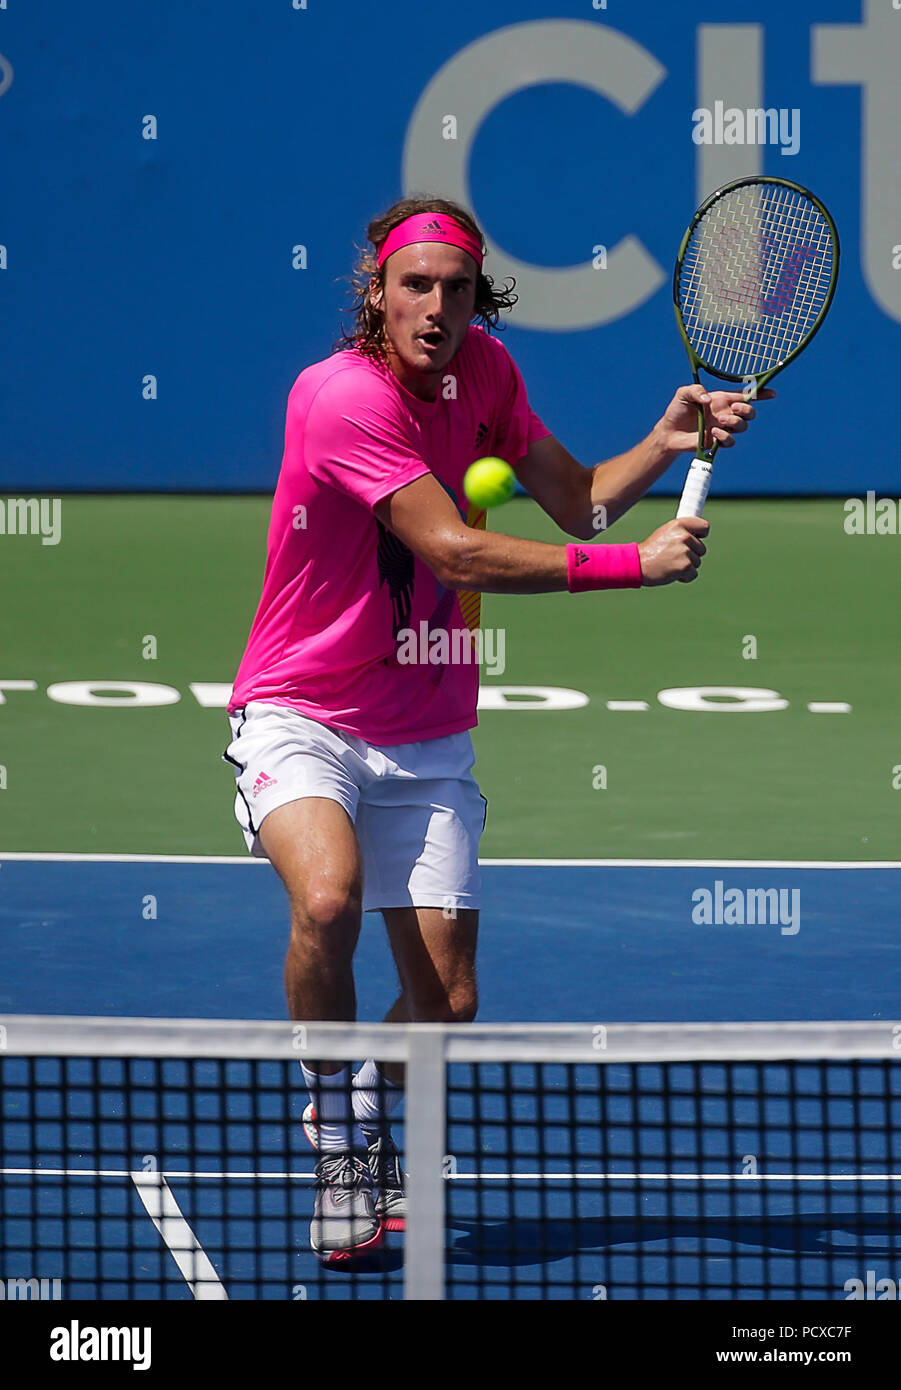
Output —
<point x="787" y="283"/>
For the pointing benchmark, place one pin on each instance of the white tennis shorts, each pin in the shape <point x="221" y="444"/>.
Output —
<point x="416" y="807"/>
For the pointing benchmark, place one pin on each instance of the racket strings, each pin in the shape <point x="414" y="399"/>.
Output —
<point x="754" y="278"/>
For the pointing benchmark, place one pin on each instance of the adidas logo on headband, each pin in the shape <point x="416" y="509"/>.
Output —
<point x="429" y="227"/>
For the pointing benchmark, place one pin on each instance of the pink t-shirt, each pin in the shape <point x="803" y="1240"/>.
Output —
<point x="338" y="586"/>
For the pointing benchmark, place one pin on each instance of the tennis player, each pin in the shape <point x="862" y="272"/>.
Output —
<point x="353" y="761"/>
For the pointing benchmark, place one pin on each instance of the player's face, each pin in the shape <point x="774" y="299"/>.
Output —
<point x="428" y="303"/>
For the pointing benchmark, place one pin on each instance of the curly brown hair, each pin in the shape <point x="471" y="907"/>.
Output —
<point x="368" y="333"/>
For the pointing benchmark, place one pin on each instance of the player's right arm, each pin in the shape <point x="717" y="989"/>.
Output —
<point x="424" y="517"/>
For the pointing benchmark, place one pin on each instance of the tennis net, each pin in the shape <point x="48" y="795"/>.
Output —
<point x="164" y="1159"/>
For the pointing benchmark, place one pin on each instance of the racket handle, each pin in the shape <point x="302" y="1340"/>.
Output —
<point x="697" y="486"/>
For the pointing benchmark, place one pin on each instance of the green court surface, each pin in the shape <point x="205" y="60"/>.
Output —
<point x="709" y="783"/>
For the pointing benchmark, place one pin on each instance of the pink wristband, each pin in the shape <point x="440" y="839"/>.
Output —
<point x="602" y="567"/>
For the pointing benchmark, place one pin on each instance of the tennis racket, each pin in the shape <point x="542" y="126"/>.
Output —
<point x="754" y="279"/>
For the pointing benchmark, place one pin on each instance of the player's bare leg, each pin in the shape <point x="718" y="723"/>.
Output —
<point x="435" y="958"/>
<point x="435" y="955"/>
<point x="313" y="847"/>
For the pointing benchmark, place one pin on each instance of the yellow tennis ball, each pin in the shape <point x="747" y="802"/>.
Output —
<point x="489" y="482"/>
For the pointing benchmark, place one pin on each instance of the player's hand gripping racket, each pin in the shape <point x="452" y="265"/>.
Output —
<point x="754" y="279"/>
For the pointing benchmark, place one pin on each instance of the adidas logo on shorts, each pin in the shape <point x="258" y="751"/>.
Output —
<point x="263" y="782"/>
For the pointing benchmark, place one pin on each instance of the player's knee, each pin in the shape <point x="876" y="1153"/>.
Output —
<point x="323" y="910"/>
<point x="459" y="1005"/>
<point x="464" y="1009"/>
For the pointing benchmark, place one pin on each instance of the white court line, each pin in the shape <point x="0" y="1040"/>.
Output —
<point x="62" y="856"/>
<point x="675" y="1177"/>
<point x="464" y="1177"/>
<point x="41" y="856"/>
<point x="129" y="1173"/>
<point x="693" y="863"/>
<point x="184" y="1247"/>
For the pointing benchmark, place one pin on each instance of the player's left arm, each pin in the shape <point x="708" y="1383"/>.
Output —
<point x="585" y="501"/>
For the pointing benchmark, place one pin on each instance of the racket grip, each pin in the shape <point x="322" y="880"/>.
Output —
<point x="697" y="486"/>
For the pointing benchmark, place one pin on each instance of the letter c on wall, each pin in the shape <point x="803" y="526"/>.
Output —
<point x="471" y="85"/>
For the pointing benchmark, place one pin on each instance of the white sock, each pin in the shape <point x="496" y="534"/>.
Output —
<point x="331" y="1097"/>
<point x="375" y="1099"/>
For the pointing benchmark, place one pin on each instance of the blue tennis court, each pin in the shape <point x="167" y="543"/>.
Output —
<point x="148" y="937"/>
<point x="130" y="1177"/>
<point x="544" y="1225"/>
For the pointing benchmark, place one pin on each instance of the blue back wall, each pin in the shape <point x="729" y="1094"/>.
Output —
<point x="163" y="163"/>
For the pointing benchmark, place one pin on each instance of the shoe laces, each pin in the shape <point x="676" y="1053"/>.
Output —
<point x="343" y="1171"/>
<point x="384" y="1162"/>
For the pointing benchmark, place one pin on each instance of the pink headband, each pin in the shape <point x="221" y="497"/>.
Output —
<point x="430" y="226"/>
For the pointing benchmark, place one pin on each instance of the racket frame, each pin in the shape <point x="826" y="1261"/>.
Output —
<point x="704" y="457"/>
